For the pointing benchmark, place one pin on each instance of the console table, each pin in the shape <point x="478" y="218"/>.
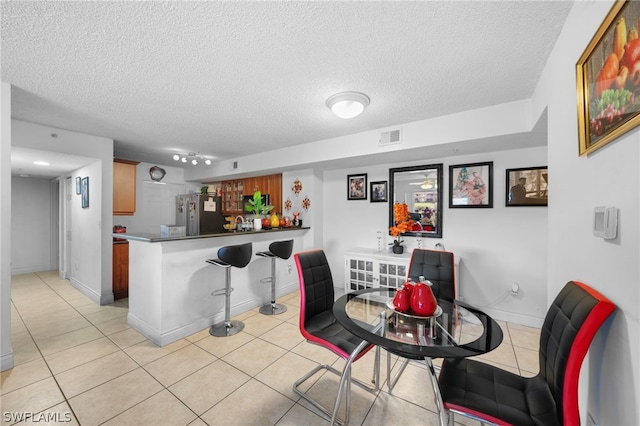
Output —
<point x="370" y="268"/>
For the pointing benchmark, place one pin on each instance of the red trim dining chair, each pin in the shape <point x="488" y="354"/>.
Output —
<point x="318" y="325"/>
<point x="490" y="394"/>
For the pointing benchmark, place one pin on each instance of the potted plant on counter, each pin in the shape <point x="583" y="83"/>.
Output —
<point x="403" y="223"/>
<point x="258" y="208"/>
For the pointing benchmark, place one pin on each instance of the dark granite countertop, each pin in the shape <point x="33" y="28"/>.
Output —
<point x="150" y="237"/>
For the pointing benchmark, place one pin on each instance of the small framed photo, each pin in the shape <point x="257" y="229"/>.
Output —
<point x="527" y="186"/>
<point x="85" y="192"/>
<point x="379" y="192"/>
<point x="78" y="185"/>
<point x="471" y="185"/>
<point x="357" y="187"/>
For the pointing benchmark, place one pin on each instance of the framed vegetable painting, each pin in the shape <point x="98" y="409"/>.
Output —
<point x="471" y="185"/>
<point x="608" y="79"/>
<point x="357" y="187"/>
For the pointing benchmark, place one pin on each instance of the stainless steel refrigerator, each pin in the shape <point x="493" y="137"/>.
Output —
<point x="202" y="214"/>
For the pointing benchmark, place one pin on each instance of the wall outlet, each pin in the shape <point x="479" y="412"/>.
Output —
<point x="515" y="289"/>
<point x="289" y="269"/>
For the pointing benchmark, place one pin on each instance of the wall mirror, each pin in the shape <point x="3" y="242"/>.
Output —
<point x="421" y="188"/>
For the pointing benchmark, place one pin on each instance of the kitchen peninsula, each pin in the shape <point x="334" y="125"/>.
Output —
<point x="171" y="285"/>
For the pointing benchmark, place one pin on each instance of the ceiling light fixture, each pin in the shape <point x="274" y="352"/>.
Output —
<point x="40" y="163"/>
<point x="191" y="157"/>
<point x="348" y="104"/>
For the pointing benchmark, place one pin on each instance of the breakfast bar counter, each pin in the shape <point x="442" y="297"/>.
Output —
<point x="171" y="285"/>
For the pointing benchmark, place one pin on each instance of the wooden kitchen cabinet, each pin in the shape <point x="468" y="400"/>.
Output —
<point x="274" y="189"/>
<point x="233" y="192"/>
<point x="232" y="195"/>
<point x="120" y="269"/>
<point x="124" y="187"/>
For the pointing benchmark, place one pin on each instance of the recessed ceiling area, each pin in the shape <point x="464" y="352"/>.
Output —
<point x="22" y="163"/>
<point x="225" y="79"/>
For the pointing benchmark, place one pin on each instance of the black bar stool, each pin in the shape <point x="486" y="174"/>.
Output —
<point x="237" y="256"/>
<point x="281" y="249"/>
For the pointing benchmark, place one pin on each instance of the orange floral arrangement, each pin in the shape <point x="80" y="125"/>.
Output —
<point x="402" y="220"/>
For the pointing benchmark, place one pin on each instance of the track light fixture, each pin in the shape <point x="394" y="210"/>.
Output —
<point x="192" y="157"/>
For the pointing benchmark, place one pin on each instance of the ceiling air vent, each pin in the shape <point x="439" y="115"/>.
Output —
<point x="390" y="138"/>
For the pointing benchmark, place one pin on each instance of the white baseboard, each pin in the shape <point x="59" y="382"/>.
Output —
<point x="30" y="270"/>
<point x="6" y="361"/>
<point x="514" y="317"/>
<point x="100" y="299"/>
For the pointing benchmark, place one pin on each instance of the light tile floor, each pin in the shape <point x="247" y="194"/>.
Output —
<point x="80" y="363"/>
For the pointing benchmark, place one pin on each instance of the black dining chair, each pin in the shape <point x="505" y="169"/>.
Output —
<point x="490" y="394"/>
<point x="438" y="267"/>
<point x="318" y="325"/>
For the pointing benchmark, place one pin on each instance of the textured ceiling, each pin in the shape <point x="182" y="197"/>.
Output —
<point x="224" y="79"/>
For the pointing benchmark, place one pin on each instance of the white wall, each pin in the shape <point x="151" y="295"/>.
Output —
<point x="31" y="206"/>
<point x="6" y="351"/>
<point x="497" y="246"/>
<point x="610" y="176"/>
<point x="312" y="216"/>
<point x="86" y="250"/>
<point x="155" y="202"/>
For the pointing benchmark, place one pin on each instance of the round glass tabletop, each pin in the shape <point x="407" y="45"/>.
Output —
<point x="458" y="330"/>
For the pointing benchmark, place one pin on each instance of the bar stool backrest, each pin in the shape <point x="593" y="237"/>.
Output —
<point x="238" y="256"/>
<point x="282" y="249"/>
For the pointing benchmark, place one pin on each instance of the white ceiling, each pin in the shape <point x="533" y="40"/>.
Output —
<point x="224" y="79"/>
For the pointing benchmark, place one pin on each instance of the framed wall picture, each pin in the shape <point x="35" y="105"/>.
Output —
<point x="527" y="187"/>
<point x="85" y="192"/>
<point x="357" y="187"/>
<point x="471" y="185"/>
<point x="379" y="192"/>
<point x="78" y="185"/>
<point x="608" y="79"/>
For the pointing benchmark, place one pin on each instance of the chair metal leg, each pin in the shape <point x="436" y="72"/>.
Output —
<point x="391" y="381"/>
<point x="437" y="396"/>
<point x="228" y="327"/>
<point x="345" y="385"/>
<point x="273" y="308"/>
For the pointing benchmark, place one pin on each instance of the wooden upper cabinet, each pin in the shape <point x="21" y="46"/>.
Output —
<point x="232" y="192"/>
<point x="274" y="189"/>
<point x="124" y="187"/>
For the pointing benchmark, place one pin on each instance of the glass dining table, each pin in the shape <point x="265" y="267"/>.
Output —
<point x="455" y="330"/>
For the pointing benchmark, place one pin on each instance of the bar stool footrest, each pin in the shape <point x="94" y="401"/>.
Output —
<point x="227" y="328"/>
<point x="273" y="309"/>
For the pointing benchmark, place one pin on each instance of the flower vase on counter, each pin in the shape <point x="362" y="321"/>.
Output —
<point x="256" y="206"/>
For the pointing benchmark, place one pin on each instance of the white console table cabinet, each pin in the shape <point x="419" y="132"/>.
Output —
<point x="370" y="268"/>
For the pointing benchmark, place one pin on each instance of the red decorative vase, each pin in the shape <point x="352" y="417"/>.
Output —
<point x="408" y="287"/>
<point x="423" y="303"/>
<point x="401" y="301"/>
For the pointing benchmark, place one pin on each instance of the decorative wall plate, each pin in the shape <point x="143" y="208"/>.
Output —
<point x="306" y="203"/>
<point x="157" y="173"/>
<point x="296" y="188"/>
